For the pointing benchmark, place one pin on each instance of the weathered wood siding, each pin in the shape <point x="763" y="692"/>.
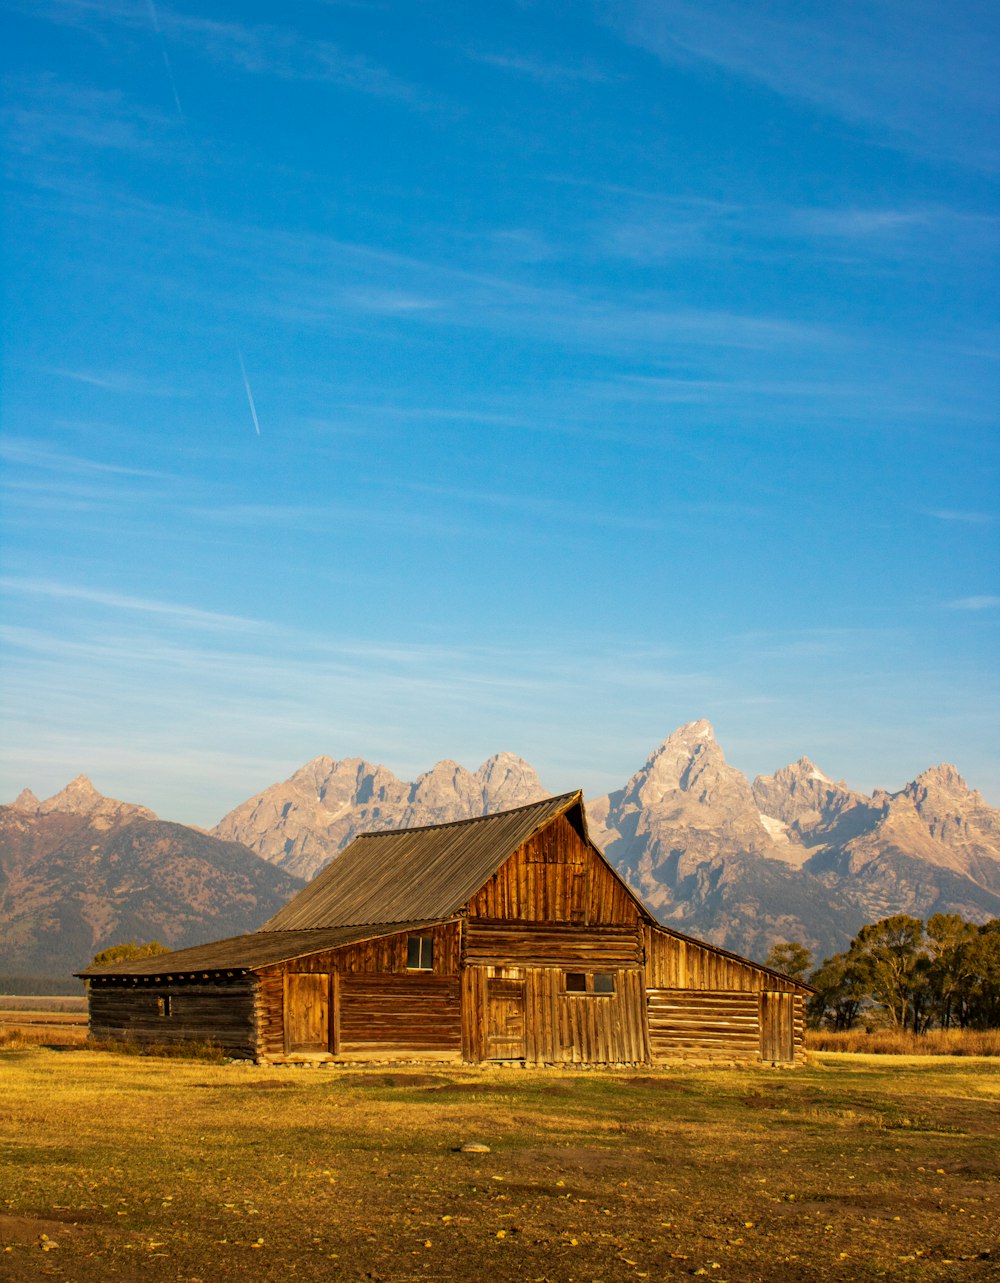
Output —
<point x="555" y="877"/>
<point x="552" y="944"/>
<point x="558" y="1027"/>
<point x="219" y="1012"/>
<point x="782" y="1026"/>
<point x="553" y="907"/>
<point x="704" y="1024"/>
<point x="726" y="1024"/>
<point x="673" y="963"/>
<point x="377" y="1006"/>
<point x="410" y="1013"/>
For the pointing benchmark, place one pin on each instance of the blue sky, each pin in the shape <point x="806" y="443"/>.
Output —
<point x="616" y="364"/>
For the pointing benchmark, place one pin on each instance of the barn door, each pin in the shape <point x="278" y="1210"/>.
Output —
<point x="307" y="1013"/>
<point x="505" y="1019"/>
<point x="777" y="1026"/>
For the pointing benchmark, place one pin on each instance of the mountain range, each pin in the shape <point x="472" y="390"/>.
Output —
<point x="789" y="856"/>
<point x="81" y="871"/>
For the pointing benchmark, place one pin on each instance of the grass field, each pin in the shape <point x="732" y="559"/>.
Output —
<point x="852" y="1168"/>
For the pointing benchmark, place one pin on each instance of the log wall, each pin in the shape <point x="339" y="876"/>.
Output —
<point x="704" y="1024"/>
<point x="413" y="1013"/>
<point x="219" y="1012"/>
<point x="726" y="1024"/>
<point x="544" y="944"/>
<point x="378" y="1007"/>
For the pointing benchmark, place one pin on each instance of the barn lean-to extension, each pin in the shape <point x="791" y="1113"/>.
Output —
<point x="507" y="937"/>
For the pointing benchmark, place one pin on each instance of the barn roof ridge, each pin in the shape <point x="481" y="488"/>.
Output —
<point x="568" y="798"/>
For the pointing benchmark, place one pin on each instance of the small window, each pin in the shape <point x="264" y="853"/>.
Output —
<point x="163" y="1005"/>
<point x="420" y="953"/>
<point x="596" y="982"/>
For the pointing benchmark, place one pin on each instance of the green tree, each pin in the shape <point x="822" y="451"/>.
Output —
<point x="983" y="999"/>
<point x="790" y="958"/>
<point x="841" y="985"/>
<point x="130" y="951"/>
<point x="893" y="959"/>
<point x="951" y="967"/>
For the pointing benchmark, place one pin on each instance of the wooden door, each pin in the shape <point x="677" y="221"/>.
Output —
<point x="307" y="1013"/>
<point x="505" y="1019"/>
<point x="777" y="1026"/>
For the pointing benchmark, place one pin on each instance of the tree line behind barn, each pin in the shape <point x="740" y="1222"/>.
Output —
<point x="904" y="973"/>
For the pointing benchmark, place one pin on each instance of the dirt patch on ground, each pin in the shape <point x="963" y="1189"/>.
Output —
<point x="403" y="1081"/>
<point x="35" y="1229"/>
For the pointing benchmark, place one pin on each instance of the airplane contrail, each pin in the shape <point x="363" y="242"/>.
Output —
<point x="154" y="17"/>
<point x="246" y="384"/>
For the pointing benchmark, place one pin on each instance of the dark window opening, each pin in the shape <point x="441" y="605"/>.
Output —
<point x="420" y="953"/>
<point x="597" y="982"/>
<point x="163" y="1005"/>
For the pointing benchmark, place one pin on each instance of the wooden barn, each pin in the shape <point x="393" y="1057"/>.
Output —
<point x="503" y="938"/>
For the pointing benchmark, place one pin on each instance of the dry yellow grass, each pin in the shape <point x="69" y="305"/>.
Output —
<point x="847" y="1169"/>
<point x="897" y="1042"/>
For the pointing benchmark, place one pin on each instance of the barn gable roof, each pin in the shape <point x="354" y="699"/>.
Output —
<point x="429" y="872"/>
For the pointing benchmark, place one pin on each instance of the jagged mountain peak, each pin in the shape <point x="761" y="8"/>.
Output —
<point x="701" y="729"/>
<point x="79" y="791"/>
<point x="944" y="776"/>
<point x="79" y="797"/>
<point x="506" y="775"/>
<point x="801" y="773"/>
<point x="320" y="770"/>
<point x="689" y="761"/>
<point x="303" y="822"/>
<point x="955" y="815"/>
<point x="26" y="801"/>
<point x="810" y="804"/>
<point x="804" y="767"/>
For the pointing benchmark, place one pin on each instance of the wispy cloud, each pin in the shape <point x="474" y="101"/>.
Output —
<point x="546" y="506"/>
<point x="389" y="302"/>
<point x="257" y="48"/>
<point x="48" y="115"/>
<point x="652" y="227"/>
<point x="919" y="75"/>
<point x="966" y="518"/>
<point x="265" y="49"/>
<point x="185" y="616"/>
<point x="314" y="280"/>
<point x="119" y="381"/>
<point x="542" y="70"/>
<point x="983" y="602"/>
<point x="17" y="450"/>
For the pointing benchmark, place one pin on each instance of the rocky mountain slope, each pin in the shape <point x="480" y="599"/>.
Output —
<point x="303" y="822"/>
<point x="795" y="855"/>
<point x="81" y="871"/>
